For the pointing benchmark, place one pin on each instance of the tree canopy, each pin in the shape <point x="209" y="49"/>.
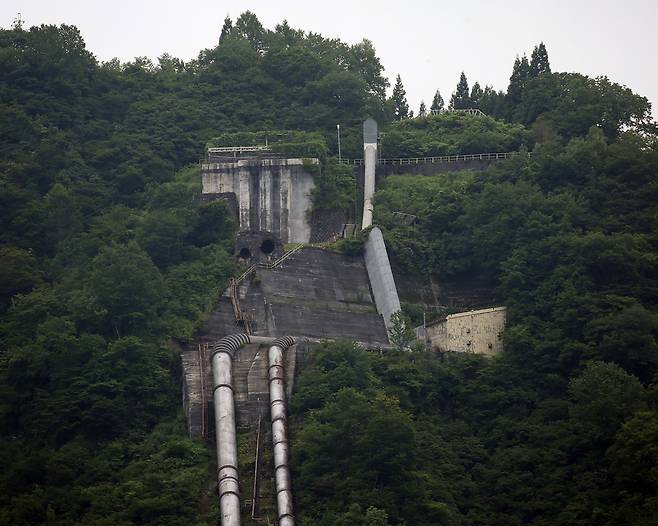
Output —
<point x="109" y="260"/>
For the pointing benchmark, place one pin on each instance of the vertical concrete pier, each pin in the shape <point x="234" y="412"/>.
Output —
<point x="370" y="161"/>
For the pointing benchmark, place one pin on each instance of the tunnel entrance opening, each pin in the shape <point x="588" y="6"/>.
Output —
<point x="267" y="246"/>
<point x="245" y="253"/>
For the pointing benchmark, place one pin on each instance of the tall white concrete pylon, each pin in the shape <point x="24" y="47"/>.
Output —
<point x="370" y="160"/>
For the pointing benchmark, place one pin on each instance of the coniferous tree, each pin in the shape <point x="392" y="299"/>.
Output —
<point x="461" y="98"/>
<point x="422" y="111"/>
<point x="518" y="80"/>
<point x="491" y="102"/>
<point x="525" y="69"/>
<point x="539" y="61"/>
<point x="476" y="95"/>
<point x="399" y="100"/>
<point x="514" y="88"/>
<point x="437" y="102"/>
<point x="226" y="28"/>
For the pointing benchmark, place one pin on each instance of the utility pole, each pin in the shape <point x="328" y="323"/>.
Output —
<point x="338" y="132"/>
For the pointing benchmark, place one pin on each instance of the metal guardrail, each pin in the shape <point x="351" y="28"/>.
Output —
<point x="469" y="111"/>
<point x="242" y="276"/>
<point x="239" y="149"/>
<point x="272" y="265"/>
<point x="437" y="160"/>
<point x="285" y="256"/>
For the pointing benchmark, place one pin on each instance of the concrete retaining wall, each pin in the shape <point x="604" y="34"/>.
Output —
<point x="327" y="225"/>
<point x="314" y="293"/>
<point x="381" y="276"/>
<point x="273" y="195"/>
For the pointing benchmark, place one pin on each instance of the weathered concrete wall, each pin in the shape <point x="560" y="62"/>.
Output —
<point x="314" y="293"/>
<point x="272" y="194"/>
<point x="327" y="225"/>
<point x="381" y="276"/>
<point x="437" y="293"/>
<point x="477" y="332"/>
<point x="257" y="247"/>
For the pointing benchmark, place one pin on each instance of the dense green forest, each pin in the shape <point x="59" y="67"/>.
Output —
<point x="108" y="258"/>
<point x="562" y="427"/>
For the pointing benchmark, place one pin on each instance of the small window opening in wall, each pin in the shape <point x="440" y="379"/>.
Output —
<point x="468" y="343"/>
<point x="245" y="253"/>
<point x="468" y="331"/>
<point x="491" y="346"/>
<point x="267" y="246"/>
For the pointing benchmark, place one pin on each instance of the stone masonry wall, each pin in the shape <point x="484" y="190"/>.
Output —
<point x="478" y="332"/>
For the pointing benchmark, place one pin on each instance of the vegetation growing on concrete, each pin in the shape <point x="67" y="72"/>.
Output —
<point x="289" y="143"/>
<point x="351" y="246"/>
<point x="335" y="184"/>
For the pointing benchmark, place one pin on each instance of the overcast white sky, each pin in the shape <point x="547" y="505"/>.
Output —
<point x="427" y="42"/>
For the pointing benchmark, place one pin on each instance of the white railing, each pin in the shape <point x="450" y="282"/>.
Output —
<point x="439" y="159"/>
<point x="272" y="265"/>
<point x="239" y="149"/>
<point x="469" y="111"/>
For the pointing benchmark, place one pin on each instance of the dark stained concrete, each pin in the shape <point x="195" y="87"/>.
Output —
<point x="315" y="294"/>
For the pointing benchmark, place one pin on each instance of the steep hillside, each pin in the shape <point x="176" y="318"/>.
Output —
<point x="108" y="257"/>
<point x="561" y="427"/>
